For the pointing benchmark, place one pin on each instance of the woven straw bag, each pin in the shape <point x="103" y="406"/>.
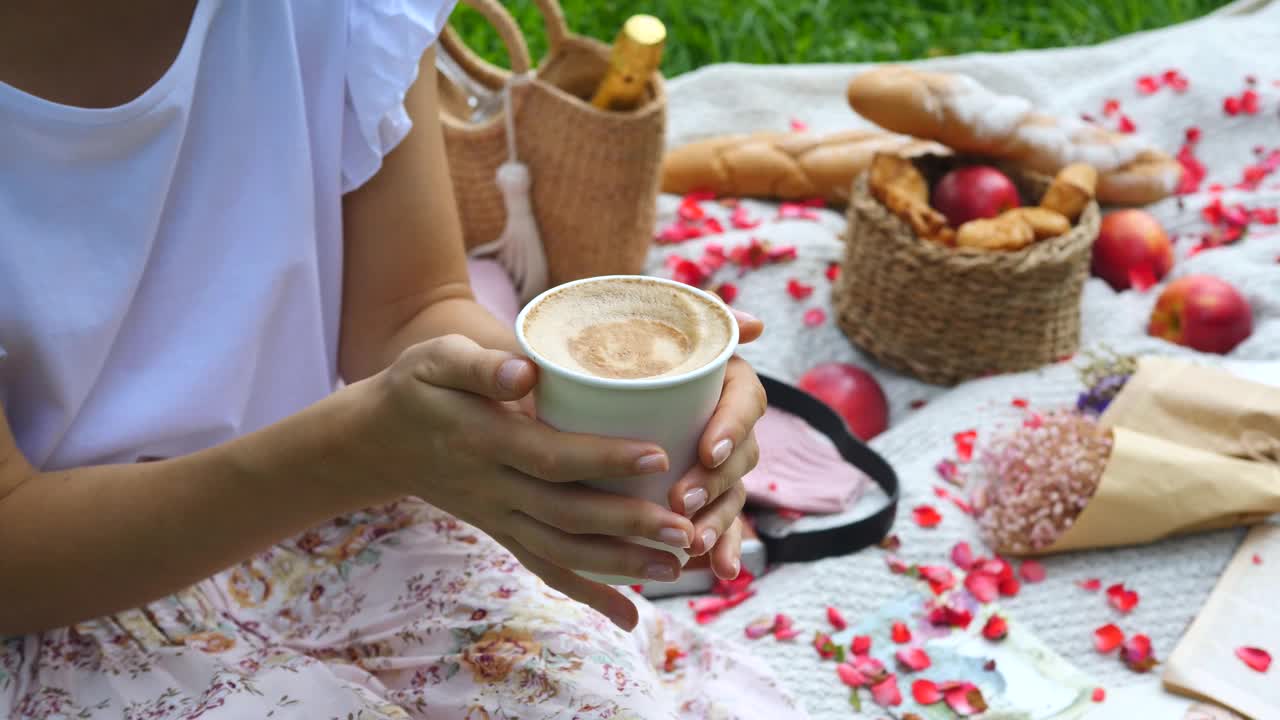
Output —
<point x="594" y="173"/>
<point x="945" y="315"/>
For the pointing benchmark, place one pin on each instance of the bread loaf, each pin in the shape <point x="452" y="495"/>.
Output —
<point x="960" y="112"/>
<point x="783" y="165"/>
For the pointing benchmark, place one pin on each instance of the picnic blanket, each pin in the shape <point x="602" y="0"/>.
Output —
<point x="1173" y="577"/>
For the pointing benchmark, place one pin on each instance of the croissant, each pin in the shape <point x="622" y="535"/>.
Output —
<point x="960" y="112"/>
<point x="784" y="165"/>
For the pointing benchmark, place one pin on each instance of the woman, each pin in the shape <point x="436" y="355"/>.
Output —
<point x="214" y="213"/>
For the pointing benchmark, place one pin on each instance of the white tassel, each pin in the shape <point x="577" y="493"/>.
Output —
<point x="519" y="247"/>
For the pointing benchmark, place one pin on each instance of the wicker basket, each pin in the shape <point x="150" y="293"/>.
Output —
<point x="945" y="315"/>
<point x="595" y="173"/>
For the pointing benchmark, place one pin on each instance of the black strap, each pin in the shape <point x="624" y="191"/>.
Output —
<point x="798" y="545"/>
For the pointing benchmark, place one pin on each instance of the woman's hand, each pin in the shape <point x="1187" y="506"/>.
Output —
<point x="443" y="428"/>
<point x="712" y="493"/>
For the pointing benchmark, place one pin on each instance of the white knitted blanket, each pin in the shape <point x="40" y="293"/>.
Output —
<point x="1173" y="577"/>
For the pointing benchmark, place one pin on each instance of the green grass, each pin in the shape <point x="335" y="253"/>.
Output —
<point x="799" y="31"/>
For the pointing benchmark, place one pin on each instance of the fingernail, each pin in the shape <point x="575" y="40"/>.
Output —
<point x="694" y="500"/>
<point x="744" y="316"/>
<point x="652" y="463"/>
<point x="509" y="373"/>
<point x="720" y="452"/>
<point x="737" y="568"/>
<point x="673" y="537"/>
<point x="708" y="539"/>
<point x="662" y="572"/>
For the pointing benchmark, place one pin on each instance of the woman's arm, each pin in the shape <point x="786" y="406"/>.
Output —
<point x="405" y="277"/>
<point x="89" y="541"/>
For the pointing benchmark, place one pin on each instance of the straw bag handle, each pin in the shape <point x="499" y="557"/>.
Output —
<point x="512" y="37"/>
<point x="508" y="31"/>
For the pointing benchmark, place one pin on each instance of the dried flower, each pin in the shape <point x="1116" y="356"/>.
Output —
<point x="1034" y="481"/>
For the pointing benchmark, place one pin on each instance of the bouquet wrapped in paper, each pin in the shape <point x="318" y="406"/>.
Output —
<point x="1155" y="448"/>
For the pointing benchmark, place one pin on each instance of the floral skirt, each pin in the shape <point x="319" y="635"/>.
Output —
<point x="394" y="612"/>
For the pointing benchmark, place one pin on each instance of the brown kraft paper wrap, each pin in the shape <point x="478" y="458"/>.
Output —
<point x="1153" y="488"/>
<point x="1201" y="407"/>
<point x="1239" y="613"/>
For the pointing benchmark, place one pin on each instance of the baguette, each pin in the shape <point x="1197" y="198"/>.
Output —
<point x="784" y="165"/>
<point x="960" y="112"/>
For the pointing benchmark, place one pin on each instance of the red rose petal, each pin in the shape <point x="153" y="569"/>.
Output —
<point x="1249" y="102"/>
<point x="1019" y="402"/>
<point x="798" y="125"/>
<point x="897" y="565"/>
<point x="1122" y="599"/>
<point x="926" y="516"/>
<point x="1099" y="694"/>
<point x="759" y="627"/>
<point x="1231" y="106"/>
<point x="1148" y="85"/>
<point x="914" y="659"/>
<point x="1107" y="638"/>
<point x="1110" y="107"/>
<point x="1126" y="125"/>
<point x="962" y="555"/>
<point x="861" y="644"/>
<point x="836" y="619"/>
<point x="871" y="667"/>
<point x="833" y="271"/>
<point x="949" y="471"/>
<point x="798" y="290"/>
<point x="1136" y="653"/>
<point x="982" y="586"/>
<point x="901" y="634"/>
<point x="813" y="317"/>
<point x="727" y="292"/>
<point x="785" y="634"/>
<point x="1257" y="559"/>
<point x="964" y="442"/>
<point x="1032" y="571"/>
<point x="689" y="273"/>
<point x="796" y="211"/>
<point x="1091" y="584"/>
<point x="1256" y="658"/>
<point x="965" y="700"/>
<point x="886" y="693"/>
<point x="822" y="643"/>
<point x="940" y="578"/>
<point x="850" y="676"/>
<point x="891" y="542"/>
<point x="742" y="220"/>
<point x="950" y="616"/>
<point x="1193" y="134"/>
<point x="926" y="692"/>
<point x="996" y="628"/>
<point x="1009" y="586"/>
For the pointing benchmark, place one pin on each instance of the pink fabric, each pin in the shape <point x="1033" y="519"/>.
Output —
<point x="394" y="613"/>
<point x="799" y="468"/>
<point x="493" y="289"/>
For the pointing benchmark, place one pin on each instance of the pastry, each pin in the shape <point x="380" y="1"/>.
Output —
<point x="961" y="113"/>
<point x="784" y="165"/>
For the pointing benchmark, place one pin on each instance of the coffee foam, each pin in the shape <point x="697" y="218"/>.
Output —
<point x="627" y="328"/>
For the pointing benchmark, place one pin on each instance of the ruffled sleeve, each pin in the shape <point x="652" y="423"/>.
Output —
<point x="385" y="43"/>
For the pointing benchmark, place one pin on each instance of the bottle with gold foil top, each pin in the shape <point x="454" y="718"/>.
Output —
<point x="636" y="55"/>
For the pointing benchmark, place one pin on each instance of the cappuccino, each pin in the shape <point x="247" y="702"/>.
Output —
<point x="627" y="328"/>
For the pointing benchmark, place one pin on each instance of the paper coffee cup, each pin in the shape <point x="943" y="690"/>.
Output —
<point x="671" y="410"/>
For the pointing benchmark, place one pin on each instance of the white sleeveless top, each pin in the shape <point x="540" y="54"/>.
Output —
<point x="171" y="269"/>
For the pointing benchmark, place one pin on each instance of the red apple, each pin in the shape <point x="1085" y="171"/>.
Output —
<point x="853" y="393"/>
<point x="1132" y="249"/>
<point x="973" y="192"/>
<point x="1203" y="313"/>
